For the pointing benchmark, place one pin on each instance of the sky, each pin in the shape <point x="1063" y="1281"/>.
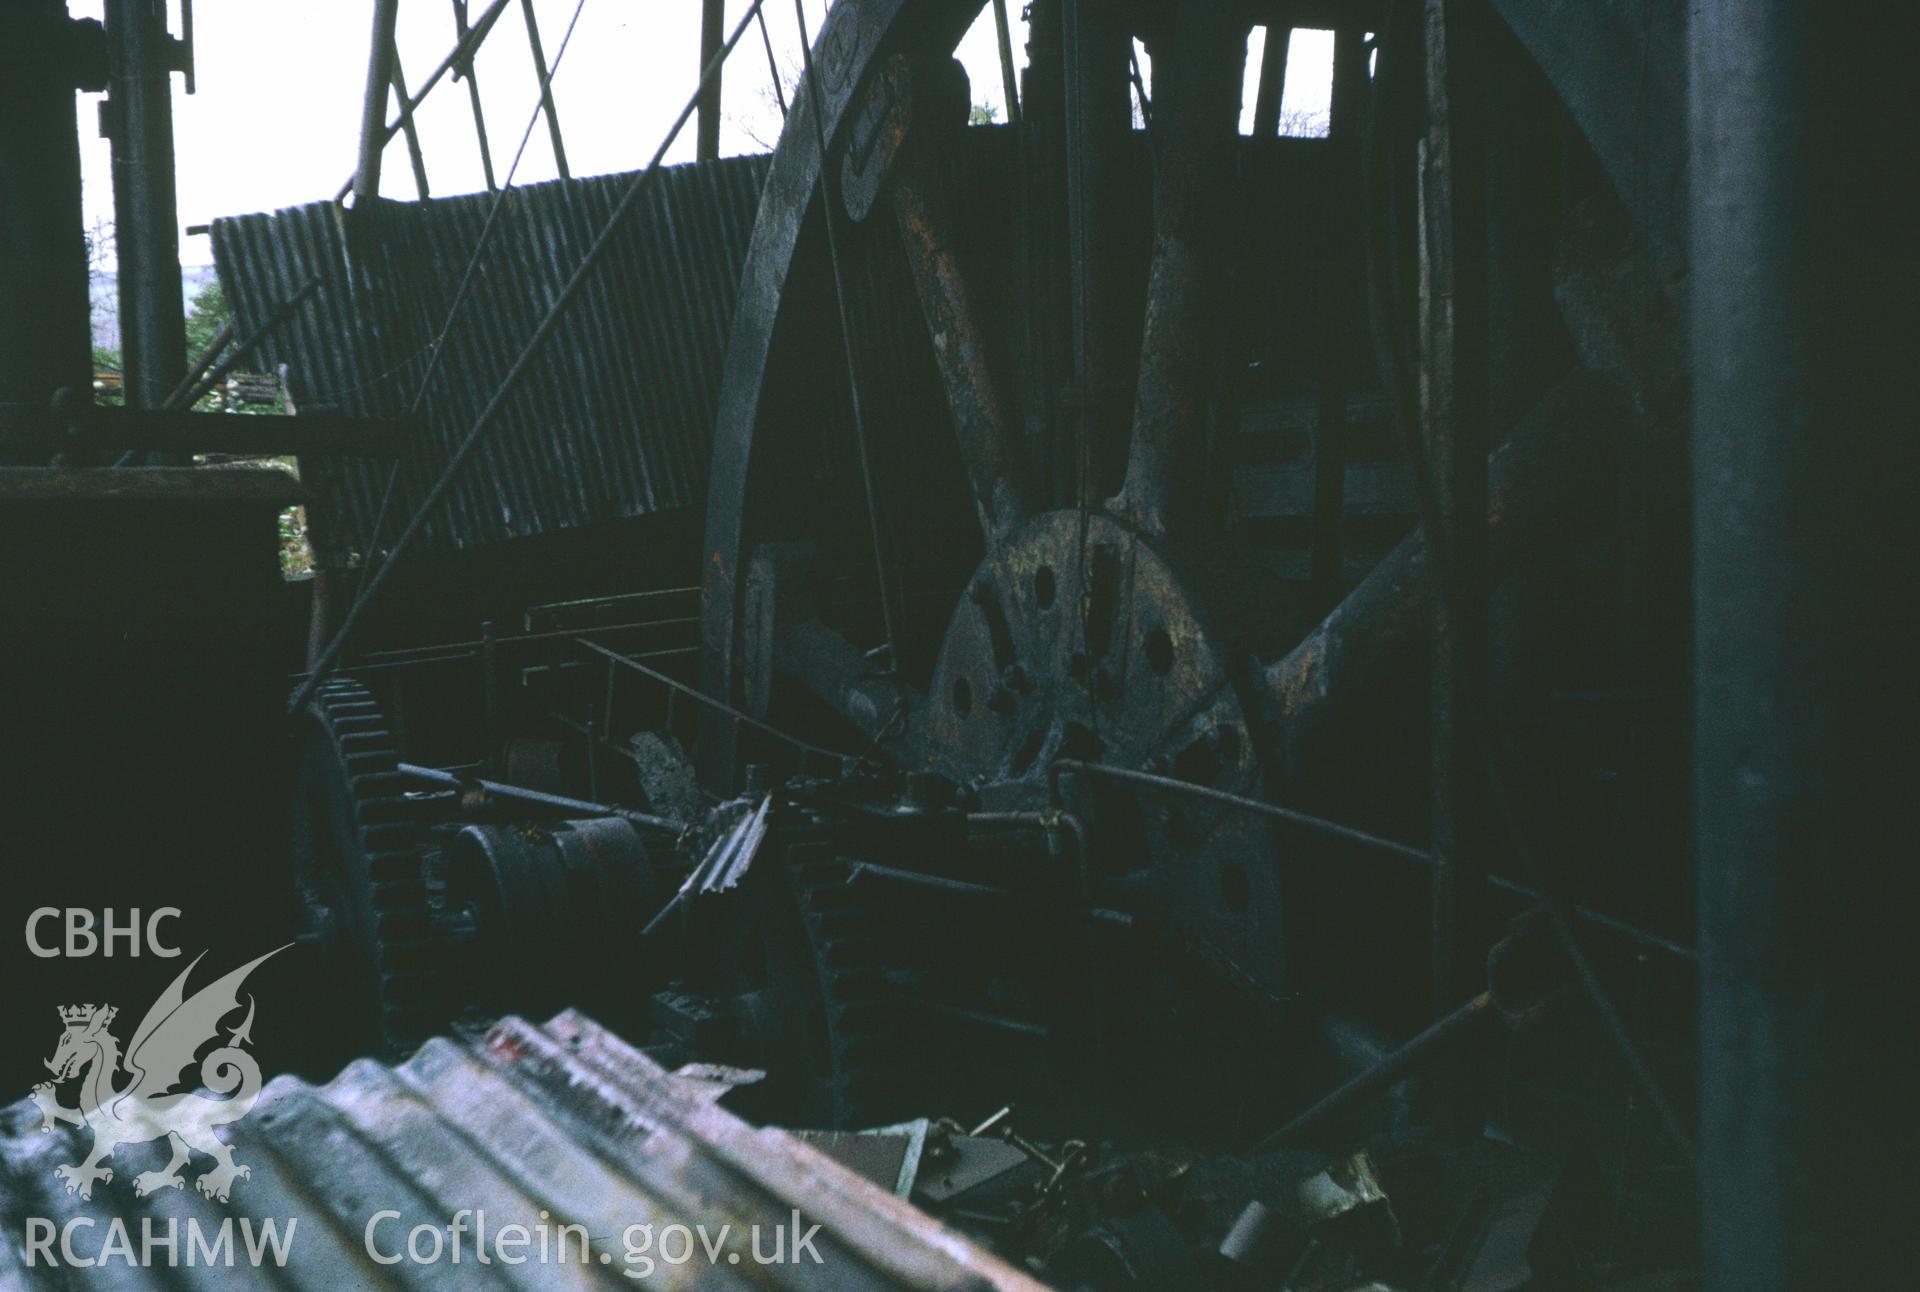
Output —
<point x="276" y="119"/>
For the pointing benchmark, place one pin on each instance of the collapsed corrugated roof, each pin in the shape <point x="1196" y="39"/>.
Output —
<point x="613" y="421"/>
<point x="536" y="1126"/>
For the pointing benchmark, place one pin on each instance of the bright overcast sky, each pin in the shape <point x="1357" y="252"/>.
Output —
<point x="277" y="117"/>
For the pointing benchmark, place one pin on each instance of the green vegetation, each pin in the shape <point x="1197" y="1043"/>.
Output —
<point x="206" y="316"/>
<point x="296" y="552"/>
<point x="207" y="312"/>
<point x="106" y="377"/>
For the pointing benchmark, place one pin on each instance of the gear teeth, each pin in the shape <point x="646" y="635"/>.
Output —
<point x="849" y="961"/>
<point x="387" y="825"/>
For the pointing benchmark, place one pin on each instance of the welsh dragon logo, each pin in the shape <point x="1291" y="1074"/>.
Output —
<point x="148" y="1106"/>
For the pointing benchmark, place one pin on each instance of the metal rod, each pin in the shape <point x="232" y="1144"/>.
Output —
<point x="1139" y="84"/>
<point x="200" y="386"/>
<point x="546" y="90"/>
<point x="490" y="696"/>
<point x="373" y="109"/>
<point x="1337" y="286"/>
<point x="1009" y="78"/>
<point x="592" y="734"/>
<point x="997" y="1022"/>
<point x="424" y="661"/>
<point x="827" y="217"/>
<point x="1454" y="416"/>
<point x="1332" y="828"/>
<point x="636" y="188"/>
<point x="178" y="397"/>
<point x="580" y="728"/>
<point x="415" y="156"/>
<point x="773" y="67"/>
<point x="695" y="694"/>
<point x="1439" y="570"/>
<point x="713" y="21"/>
<point x="1388" y="1070"/>
<point x="549" y="635"/>
<point x="1272" y="87"/>
<point x="464" y="72"/>
<point x="921" y="879"/>
<point x="1406" y="852"/>
<point x="464" y="50"/>
<point x="541" y="798"/>
<point x="371" y="545"/>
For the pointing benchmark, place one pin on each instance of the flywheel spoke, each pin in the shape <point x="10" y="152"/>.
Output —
<point x="996" y="465"/>
<point x="1195" y="109"/>
<point x="1541" y="483"/>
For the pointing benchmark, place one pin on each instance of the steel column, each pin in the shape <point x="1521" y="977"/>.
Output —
<point x="1454" y="408"/>
<point x="1804" y="280"/>
<point x="707" y="126"/>
<point x="373" y="109"/>
<point x="146" y="217"/>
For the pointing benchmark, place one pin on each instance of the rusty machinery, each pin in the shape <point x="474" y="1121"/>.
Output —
<point x="1170" y="600"/>
<point x="1062" y="716"/>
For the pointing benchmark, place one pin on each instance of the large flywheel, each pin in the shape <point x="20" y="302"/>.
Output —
<point x="974" y="506"/>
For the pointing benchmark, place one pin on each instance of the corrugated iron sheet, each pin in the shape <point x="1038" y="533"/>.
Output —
<point x="536" y="1126"/>
<point x="614" y="422"/>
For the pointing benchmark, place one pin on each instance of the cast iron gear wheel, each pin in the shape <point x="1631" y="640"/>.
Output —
<point x="859" y="1068"/>
<point x="357" y="854"/>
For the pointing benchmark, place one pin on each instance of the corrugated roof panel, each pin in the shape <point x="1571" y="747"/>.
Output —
<point x="614" y="420"/>
<point x="536" y="1126"/>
